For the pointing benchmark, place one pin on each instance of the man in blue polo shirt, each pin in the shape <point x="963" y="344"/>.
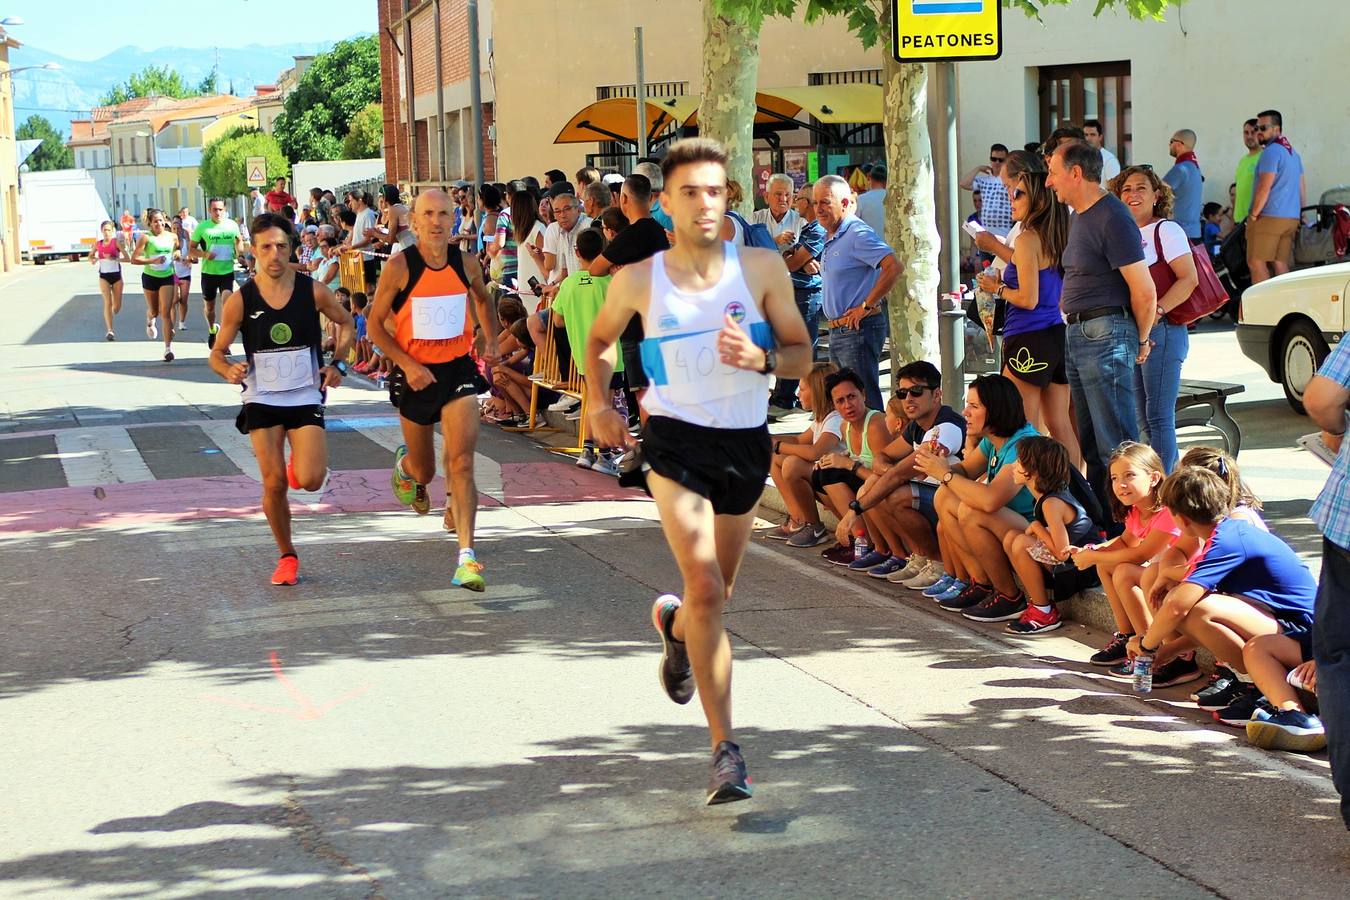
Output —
<point x="858" y="270"/>
<point x="1277" y="201"/>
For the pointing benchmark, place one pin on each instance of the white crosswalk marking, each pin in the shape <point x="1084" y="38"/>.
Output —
<point x="104" y="454"/>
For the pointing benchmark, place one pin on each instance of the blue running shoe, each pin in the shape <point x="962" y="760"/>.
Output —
<point x="957" y="588"/>
<point x="1286" y="729"/>
<point x="869" y="560"/>
<point x="941" y="587"/>
<point x="889" y="567"/>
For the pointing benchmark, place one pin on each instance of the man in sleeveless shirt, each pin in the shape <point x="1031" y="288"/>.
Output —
<point x="283" y="375"/>
<point x="718" y="320"/>
<point x="425" y="292"/>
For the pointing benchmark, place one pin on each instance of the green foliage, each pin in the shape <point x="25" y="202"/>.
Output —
<point x="334" y="89"/>
<point x="210" y="84"/>
<point x="152" y="81"/>
<point x="222" y="168"/>
<point x="52" y="153"/>
<point x="867" y="18"/>
<point x="365" y="137"/>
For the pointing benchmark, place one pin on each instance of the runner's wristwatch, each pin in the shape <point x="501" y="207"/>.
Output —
<point x="341" y="367"/>
<point x="770" y="362"/>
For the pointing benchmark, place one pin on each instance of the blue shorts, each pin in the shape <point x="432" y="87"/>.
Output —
<point x="922" y="494"/>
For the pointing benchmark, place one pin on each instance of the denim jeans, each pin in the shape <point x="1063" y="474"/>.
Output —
<point x="860" y="350"/>
<point x="1156" y="384"/>
<point x="1099" y="357"/>
<point x="808" y="304"/>
<point x="1331" y="649"/>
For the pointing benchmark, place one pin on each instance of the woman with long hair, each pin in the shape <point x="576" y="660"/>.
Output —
<point x="527" y="229"/>
<point x="794" y="459"/>
<point x="156" y="251"/>
<point x="1033" y="331"/>
<point x="107" y="255"/>
<point x="1167" y="253"/>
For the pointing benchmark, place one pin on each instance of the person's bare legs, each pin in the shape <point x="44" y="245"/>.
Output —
<point x="1127" y="582"/>
<point x="708" y="549"/>
<point x="1031" y="399"/>
<point x="107" y="291"/>
<point x="983" y="538"/>
<point x="1269" y="659"/>
<point x="797" y="490"/>
<point x="165" y="308"/>
<point x="1059" y="420"/>
<point x="459" y="428"/>
<point x="1105" y="574"/>
<point x="1031" y="572"/>
<point x="1223" y="625"/>
<point x="914" y="529"/>
<point x="269" y="449"/>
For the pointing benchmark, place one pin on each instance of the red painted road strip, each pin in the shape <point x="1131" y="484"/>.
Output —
<point x="235" y="496"/>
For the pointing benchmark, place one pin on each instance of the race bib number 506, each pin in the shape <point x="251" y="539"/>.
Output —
<point x="438" y="318"/>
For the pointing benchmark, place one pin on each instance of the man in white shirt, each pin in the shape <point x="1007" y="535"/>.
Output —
<point x="560" y="238"/>
<point x="871" y="203"/>
<point x="781" y="219"/>
<point x="1092" y="131"/>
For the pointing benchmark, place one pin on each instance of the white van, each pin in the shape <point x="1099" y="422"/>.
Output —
<point x="59" y="214"/>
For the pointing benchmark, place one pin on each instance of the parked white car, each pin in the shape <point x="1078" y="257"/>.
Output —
<point x="1289" y="324"/>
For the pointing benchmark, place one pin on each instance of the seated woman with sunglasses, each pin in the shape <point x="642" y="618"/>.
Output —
<point x="1033" y="331"/>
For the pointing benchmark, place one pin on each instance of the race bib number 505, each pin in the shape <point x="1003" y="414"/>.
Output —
<point x="284" y="370"/>
<point x="438" y="318"/>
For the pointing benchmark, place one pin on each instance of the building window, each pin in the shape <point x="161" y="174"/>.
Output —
<point x="1098" y="91"/>
<point x="121" y="152"/>
<point x="618" y="156"/>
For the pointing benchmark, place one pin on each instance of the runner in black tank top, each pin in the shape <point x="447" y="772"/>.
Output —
<point x="283" y="377"/>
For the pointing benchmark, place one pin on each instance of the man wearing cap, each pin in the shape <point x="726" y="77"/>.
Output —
<point x="871" y="207"/>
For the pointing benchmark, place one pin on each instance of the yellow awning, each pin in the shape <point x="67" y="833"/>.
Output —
<point x="616" y="119"/>
<point x="830" y="103"/>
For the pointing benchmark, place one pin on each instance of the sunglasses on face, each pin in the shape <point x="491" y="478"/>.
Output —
<point x="998" y="160"/>
<point x="914" y="392"/>
<point x="1265" y="127"/>
<point x="1018" y="193"/>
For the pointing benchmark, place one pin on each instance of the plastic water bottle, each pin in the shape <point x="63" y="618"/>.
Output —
<point x="1143" y="674"/>
<point x="860" y="546"/>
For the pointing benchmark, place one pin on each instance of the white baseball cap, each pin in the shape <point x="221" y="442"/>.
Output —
<point x="947" y="434"/>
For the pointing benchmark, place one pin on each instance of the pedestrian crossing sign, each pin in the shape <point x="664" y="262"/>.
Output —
<point x="256" y="169"/>
<point x="946" y="30"/>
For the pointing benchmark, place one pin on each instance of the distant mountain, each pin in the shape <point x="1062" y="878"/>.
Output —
<point x="73" y="90"/>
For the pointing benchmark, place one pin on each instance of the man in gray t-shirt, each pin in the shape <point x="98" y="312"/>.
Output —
<point x="1109" y="304"/>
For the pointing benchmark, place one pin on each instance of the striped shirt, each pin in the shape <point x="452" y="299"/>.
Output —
<point x="1331" y="509"/>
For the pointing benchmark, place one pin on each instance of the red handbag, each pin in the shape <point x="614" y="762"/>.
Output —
<point x="1208" y="296"/>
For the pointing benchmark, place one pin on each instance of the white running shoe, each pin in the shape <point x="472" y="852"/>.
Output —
<point x="564" y="404"/>
<point x="931" y="575"/>
<point x="151" y="330"/>
<point x="916" y="565"/>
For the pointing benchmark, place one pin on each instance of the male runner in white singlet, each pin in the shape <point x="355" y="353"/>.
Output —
<point x="718" y="320"/>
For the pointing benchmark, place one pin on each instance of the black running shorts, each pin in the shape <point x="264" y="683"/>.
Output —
<point x="726" y="465"/>
<point x="1036" y="357"/>
<point x="455" y="379"/>
<point x="216" y="284"/>
<point x="262" y="415"/>
<point x="154" y="282"/>
<point x="110" y="277"/>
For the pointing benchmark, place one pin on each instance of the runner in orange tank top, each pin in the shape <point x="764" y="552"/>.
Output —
<point x="437" y="299"/>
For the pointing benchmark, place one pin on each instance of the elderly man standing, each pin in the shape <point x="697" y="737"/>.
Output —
<point x="858" y="270"/>
<point x="779" y="216"/>
<point x="1109" y="303"/>
<point x="1186" y="183"/>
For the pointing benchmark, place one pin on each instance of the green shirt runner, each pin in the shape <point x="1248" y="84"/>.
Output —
<point x="220" y="240"/>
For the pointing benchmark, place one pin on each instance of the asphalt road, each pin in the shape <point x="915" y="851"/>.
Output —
<point x="176" y="727"/>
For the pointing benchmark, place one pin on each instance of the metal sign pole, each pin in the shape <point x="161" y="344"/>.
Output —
<point x="640" y="145"/>
<point x="476" y="96"/>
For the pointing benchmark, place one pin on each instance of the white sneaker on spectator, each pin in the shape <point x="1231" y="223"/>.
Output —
<point x="587" y="459"/>
<point x="574" y="415"/>
<point x="916" y="565"/>
<point x="564" y="404"/>
<point x="931" y="575"/>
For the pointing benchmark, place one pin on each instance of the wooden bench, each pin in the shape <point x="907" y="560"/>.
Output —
<point x="1204" y="403"/>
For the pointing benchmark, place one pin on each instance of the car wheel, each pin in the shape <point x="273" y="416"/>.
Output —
<point x="1302" y="352"/>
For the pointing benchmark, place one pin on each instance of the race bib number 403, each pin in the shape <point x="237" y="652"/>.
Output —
<point x="284" y="370"/>
<point x="695" y="372"/>
<point x="438" y="318"/>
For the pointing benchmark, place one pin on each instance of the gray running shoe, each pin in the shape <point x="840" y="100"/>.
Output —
<point x="728" y="781"/>
<point x="677" y="678"/>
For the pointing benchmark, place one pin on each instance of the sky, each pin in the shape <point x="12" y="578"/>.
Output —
<point x="72" y="30"/>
